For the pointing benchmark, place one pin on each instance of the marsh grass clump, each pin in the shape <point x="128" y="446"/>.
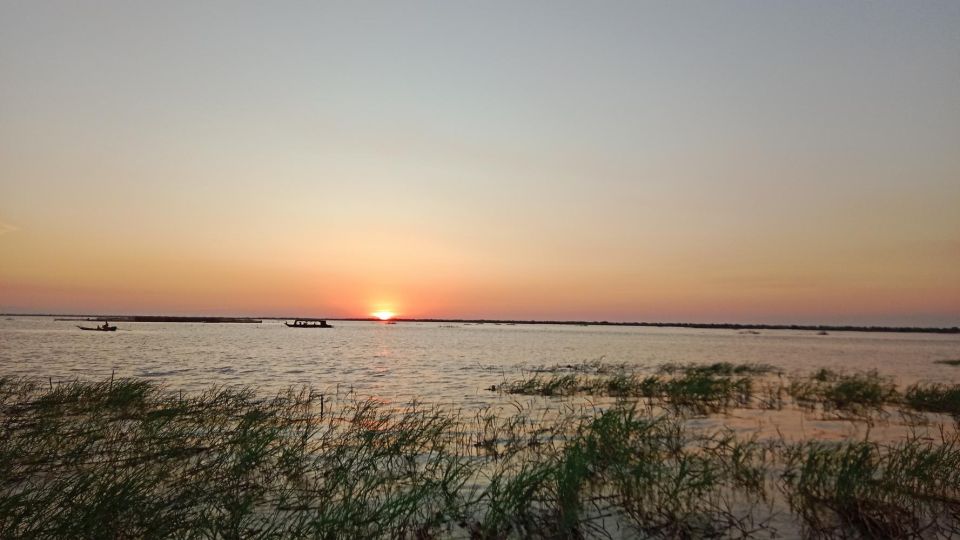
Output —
<point x="936" y="398"/>
<point x="126" y="458"/>
<point x="664" y="480"/>
<point x="955" y="363"/>
<point x="673" y="486"/>
<point x="541" y="385"/>
<point x="592" y="367"/>
<point x="696" y="391"/>
<point x="771" y="395"/>
<point x="869" y="390"/>
<point x="719" y="369"/>
<point x="905" y="490"/>
<point x="851" y="393"/>
<point x="627" y="385"/>
<point x="705" y="393"/>
<point x="112" y="395"/>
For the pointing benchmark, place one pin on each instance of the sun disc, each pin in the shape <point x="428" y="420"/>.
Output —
<point x="383" y="315"/>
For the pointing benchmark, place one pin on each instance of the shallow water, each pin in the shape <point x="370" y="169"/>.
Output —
<point x="454" y="365"/>
<point x="445" y="363"/>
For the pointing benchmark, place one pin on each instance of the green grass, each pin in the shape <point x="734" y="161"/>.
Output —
<point x="905" y="490"/>
<point x="937" y="398"/>
<point x="672" y="485"/>
<point x="706" y="393"/>
<point x="845" y="392"/>
<point x="666" y="481"/>
<point x="596" y="367"/>
<point x="544" y="385"/>
<point x="720" y="369"/>
<point x="702" y="392"/>
<point x="126" y="458"/>
<point x="955" y="363"/>
<point x="717" y="388"/>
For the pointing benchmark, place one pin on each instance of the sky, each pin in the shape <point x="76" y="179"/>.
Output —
<point x="785" y="162"/>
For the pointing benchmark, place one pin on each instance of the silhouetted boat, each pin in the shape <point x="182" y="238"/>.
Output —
<point x="99" y="328"/>
<point x="308" y="323"/>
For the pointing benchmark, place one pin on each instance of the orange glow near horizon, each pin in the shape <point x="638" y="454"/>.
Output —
<point x="224" y="186"/>
<point x="384" y="315"/>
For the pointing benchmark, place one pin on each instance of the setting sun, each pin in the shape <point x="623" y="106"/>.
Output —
<point x="383" y="315"/>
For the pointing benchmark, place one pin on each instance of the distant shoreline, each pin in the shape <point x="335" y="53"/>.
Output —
<point x="147" y="319"/>
<point x="704" y="326"/>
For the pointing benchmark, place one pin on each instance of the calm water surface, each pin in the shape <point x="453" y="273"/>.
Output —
<point x="438" y="362"/>
<point x="453" y="365"/>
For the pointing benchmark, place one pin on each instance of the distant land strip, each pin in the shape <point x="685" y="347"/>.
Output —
<point x="153" y="318"/>
<point x="706" y="326"/>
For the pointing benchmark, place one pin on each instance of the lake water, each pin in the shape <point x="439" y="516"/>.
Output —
<point x="454" y="365"/>
<point x="443" y="363"/>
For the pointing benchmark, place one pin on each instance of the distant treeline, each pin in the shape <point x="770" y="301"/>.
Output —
<point x="158" y="319"/>
<point x="709" y="326"/>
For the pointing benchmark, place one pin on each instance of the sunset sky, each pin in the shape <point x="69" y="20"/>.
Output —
<point x="696" y="161"/>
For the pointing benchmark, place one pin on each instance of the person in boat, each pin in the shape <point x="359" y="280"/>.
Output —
<point x="106" y="324"/>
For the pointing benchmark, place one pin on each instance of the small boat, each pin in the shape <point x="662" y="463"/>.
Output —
<point x="308" y="323"/>
<point x="99" y="328"/>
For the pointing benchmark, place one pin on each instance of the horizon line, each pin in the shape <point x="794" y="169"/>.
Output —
<point x="565" y="322"/>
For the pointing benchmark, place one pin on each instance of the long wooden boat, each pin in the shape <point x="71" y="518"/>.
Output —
<point x="308" y="323"/>
<point x="98" y="328"/>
